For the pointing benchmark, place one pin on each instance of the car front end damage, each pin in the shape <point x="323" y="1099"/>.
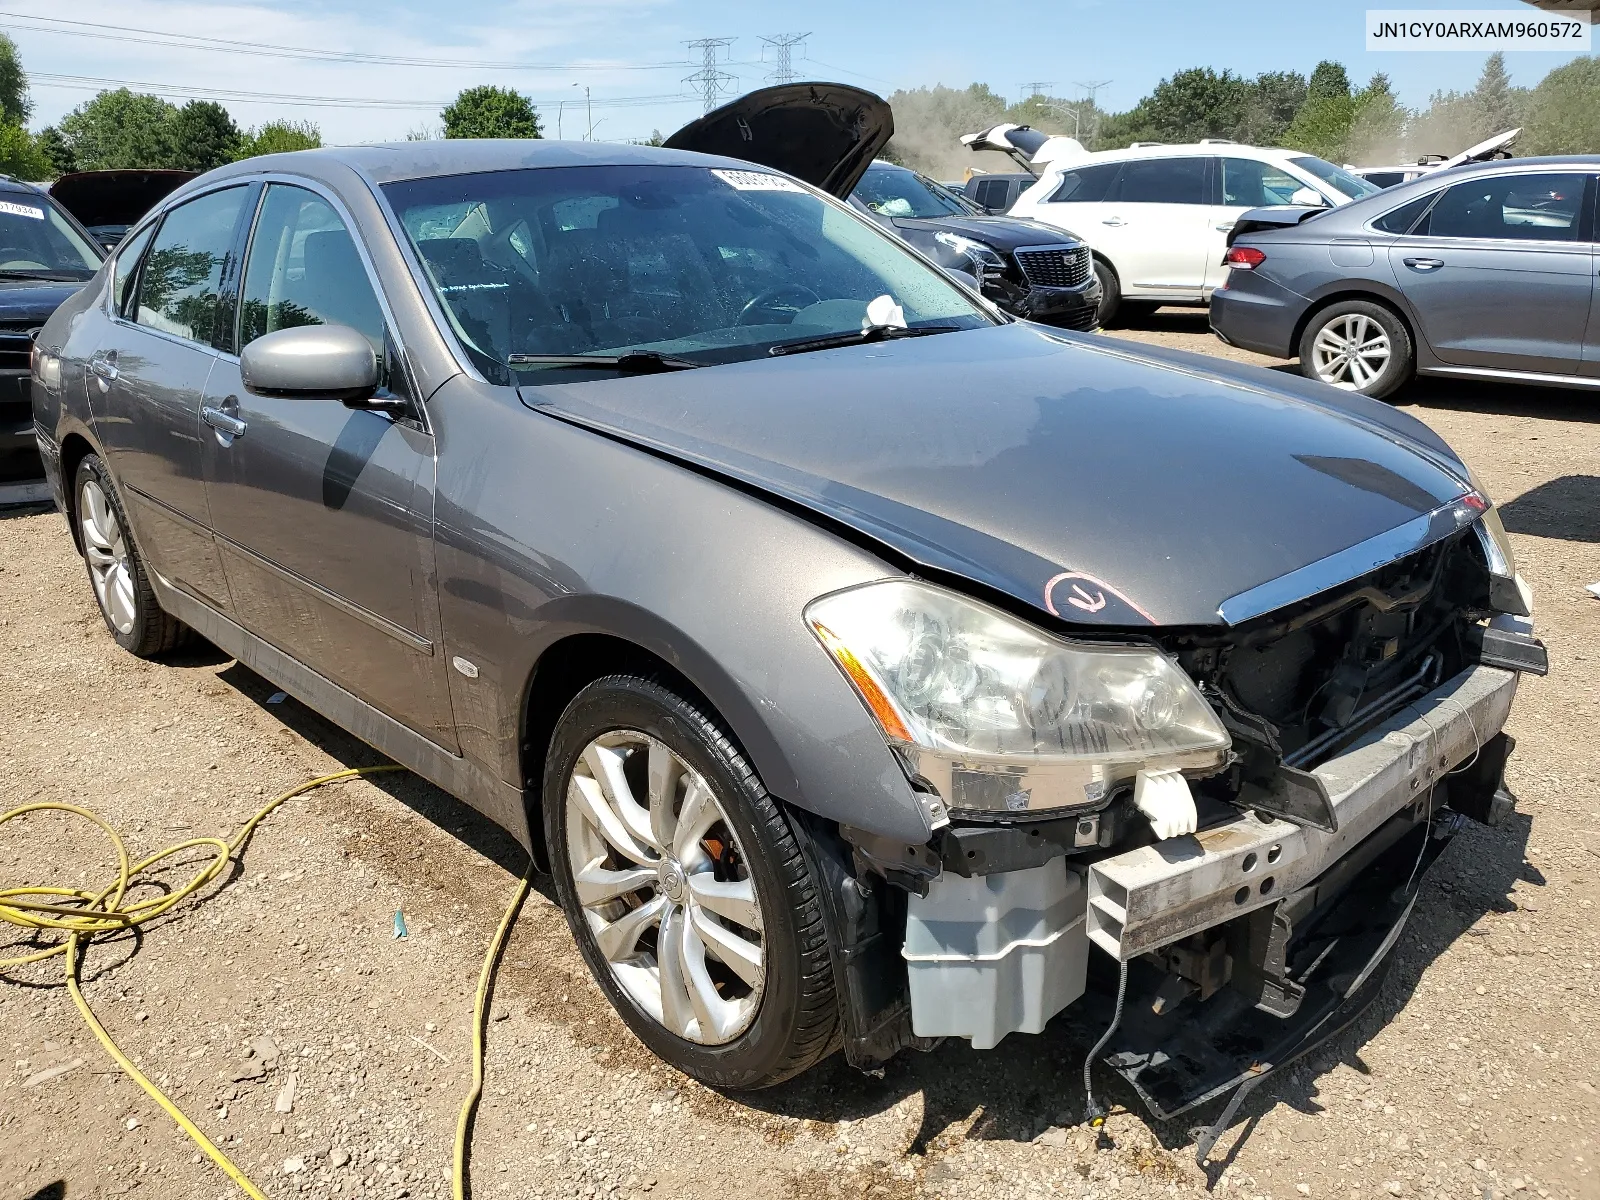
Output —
<point x="1243" y="902"/>
<point x="1048" y="280"/>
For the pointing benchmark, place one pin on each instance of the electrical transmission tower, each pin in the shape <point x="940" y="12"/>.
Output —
<point x="1039" y="87"/>
<point x="782" y="44"/>
<point x="711" y="82"/>
<point x="1094" y="110"/>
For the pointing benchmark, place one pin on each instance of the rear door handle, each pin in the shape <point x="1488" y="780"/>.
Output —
<point x="1425" y="264"/>
<point x="103" y="366"/>
<point x="222" y="422"/>
<point x="1225" y="228"/>
<point x="1113" y="221"/>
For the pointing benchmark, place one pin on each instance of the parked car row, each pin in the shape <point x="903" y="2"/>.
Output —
<point x="865" y="661"/>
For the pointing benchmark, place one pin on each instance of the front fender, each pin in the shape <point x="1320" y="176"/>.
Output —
<point x="546" y="531"/>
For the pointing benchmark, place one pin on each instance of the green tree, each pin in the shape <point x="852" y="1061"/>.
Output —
<point x="120" y="129"/>
<point x="202" y="136"/>
<point x="491" y="112"/>
<point x="55" y="148"/>
<point x="929" y="122"/>
<point x="1275" y="98"/>
<point x="280" y="137"/>
<point x="1198" y="103"/>
<point x="1322" y="124"/>
<point x="1379" y="125"/>
<point x="1499" y="104"/>
<point x="1563" y="112"/>
<point x="21" y="156"/>
<point x="15" y="106"/>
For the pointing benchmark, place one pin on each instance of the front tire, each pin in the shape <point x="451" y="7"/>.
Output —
<point x="1110" y="293"/>
<point x="685" y="888"/>
<point x="116" y="572"/>
<point x="1358" y="346"/>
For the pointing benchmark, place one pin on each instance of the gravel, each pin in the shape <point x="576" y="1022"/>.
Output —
<point x="1473" y="1076"/>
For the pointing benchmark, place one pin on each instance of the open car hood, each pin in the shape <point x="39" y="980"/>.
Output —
<point x="1483" y="151"/>
<point x="1104" y="485"/>
<point x="824" y="133"/>
<point x="1026" y="145"/>
<point x="115" y="197"/>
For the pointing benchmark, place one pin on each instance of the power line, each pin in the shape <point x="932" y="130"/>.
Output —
<point x="782" y="44"/>
<point x="97" y="83"/>
<point x="189" y="41"/>
<point x="709" y="79"/>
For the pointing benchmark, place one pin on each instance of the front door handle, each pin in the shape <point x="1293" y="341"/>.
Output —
<point x="1224" y="228"/>
<point x="1113" y="221"/>
<point x="230" y="426"/>
<point x="1425" y="264"/>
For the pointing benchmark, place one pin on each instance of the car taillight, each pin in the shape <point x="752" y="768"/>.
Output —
<point x="1244" y="258"/>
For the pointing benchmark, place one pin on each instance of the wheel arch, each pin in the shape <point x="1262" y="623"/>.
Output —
<point x="1370" y="295"/>
<point x="75" y="447"/>
<point x="616" y="637"/>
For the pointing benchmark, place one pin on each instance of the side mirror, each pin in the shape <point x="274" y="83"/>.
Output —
<point x="1308" y="197"/>
<point x="312" y="362"/>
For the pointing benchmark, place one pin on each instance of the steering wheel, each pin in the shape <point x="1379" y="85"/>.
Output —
<point x="767" y="302"/>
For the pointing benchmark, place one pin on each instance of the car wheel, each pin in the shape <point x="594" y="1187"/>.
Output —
<point x="1110" y="293"/>
<point x="116" y="572"/>
<point x="685" y="888"/>
<point x="1358" y="346"/>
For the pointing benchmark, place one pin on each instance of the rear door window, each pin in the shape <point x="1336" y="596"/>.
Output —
<point x="1086" y="185"/>
<point x="1403" y="218"/>
<point x="1162" y="181"/>
<point x="1248" y="183"/>
<point x="1545" y="207"/>
<point x="181" y="283"/>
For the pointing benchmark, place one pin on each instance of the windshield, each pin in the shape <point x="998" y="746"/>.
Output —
<point x="705" y="265"/>
<point x="1352" y="187"/>
<point x="896" y="192"/>
<point x="36" y="240"/>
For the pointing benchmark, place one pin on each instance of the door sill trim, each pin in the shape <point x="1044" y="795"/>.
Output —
<point x="463" y="778"/>
<point x="1539" y="377"/>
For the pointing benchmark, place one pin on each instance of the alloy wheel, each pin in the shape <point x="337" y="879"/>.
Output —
<point x="664" y="887"/>
<point x="1352" y="351"/>
<point x="105" y="546"/>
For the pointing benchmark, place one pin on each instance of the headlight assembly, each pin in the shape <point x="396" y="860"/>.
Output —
<point x="1002" y="717"/>
<point x="1508" y="591"/>
<point x="980" y="256"/>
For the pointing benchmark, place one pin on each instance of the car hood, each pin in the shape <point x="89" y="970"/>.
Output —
<point x="824" y="133"/>
<point x="1104" y="485"/>
<point x="1003" y="233"/>
<point x="115" y="197"/>
<point x="32" y="300"/>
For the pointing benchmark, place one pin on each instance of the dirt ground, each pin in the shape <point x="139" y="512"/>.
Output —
<point x="284" y="987"/>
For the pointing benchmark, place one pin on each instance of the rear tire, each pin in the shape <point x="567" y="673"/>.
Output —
<point x="117" y="573"/>
<point x="1359" y="346"/>
<point x="648" y="805"/>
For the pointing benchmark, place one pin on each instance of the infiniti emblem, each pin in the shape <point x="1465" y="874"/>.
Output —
<point x="671" y="876"/>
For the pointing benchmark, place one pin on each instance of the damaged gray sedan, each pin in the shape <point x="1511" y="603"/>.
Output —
<point x="867" y="667"/>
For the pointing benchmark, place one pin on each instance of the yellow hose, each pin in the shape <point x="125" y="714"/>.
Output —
<point x="83" y="915"/>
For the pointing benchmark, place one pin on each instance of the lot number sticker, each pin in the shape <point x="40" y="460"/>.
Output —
<point x="756" y="181"/>
<point x="21" y="210"/>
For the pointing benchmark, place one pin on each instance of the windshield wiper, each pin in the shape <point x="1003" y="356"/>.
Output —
<point x="635" y="362"/>
<point x="62" y="276"/>
<point x="872" y="333"/>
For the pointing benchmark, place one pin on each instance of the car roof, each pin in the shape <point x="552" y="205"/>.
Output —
<point x="1183" y="150"/>
<point x="8" y="184"/>
<point x="397" y="161"/>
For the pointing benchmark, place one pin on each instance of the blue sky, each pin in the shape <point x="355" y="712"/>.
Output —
<point x="632" y="51"/>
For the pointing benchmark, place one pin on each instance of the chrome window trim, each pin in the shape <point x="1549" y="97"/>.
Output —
<point x="1350" y="563"/>
<point x="176" y="200"/>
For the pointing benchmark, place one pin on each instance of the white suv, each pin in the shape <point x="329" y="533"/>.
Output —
<point x="1158" y="216"/>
